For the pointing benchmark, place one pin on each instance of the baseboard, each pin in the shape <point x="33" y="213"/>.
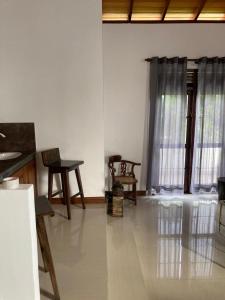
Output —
<point x="90" y="200"/>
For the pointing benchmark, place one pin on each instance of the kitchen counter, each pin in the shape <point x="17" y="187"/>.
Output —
<point x="9" y="167"/>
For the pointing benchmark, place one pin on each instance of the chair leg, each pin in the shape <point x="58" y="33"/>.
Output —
<point x="41" y="229"/>
<point x="65" y="183"/>
<point x="50" y="183"/>
<point x="79" y="182"/>
<point x="135" y="194"/>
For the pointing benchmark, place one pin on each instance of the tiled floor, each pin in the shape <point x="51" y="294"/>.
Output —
<point x="166" y="248"/>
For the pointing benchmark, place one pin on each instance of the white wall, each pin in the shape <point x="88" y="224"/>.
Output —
<point x="51" y="74"/>
<point x="126" y="76"/>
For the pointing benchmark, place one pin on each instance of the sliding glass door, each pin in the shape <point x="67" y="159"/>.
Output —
<point x="187" y="125"/>
<point x="176" y="151"/>
<point x="182" y="167"/>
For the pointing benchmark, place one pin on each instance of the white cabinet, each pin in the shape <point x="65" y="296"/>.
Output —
<point x="18" y="239"/>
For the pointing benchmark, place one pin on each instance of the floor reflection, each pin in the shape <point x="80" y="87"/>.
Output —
<point x="169" y="258"/>
<point x="201" y="257"/>
<point x="202" y="214"/>
<point x="202" y="237"/>
<point x="182" y="224"/>
<point x="170" y="216"/>
<point x="169" y="254"/>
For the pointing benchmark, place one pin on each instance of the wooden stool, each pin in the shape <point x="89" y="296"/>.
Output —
<point x="51" y="159"/>
<point x="43" y="208"/>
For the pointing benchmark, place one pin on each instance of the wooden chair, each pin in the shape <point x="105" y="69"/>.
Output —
<point x="43" y="208"/>
<point x="51" y="159"/>
<point x="124" y="174"/>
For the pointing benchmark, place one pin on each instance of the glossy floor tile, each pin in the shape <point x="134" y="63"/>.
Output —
<point x="79" y="252"/>
<point x="166" y="248"/>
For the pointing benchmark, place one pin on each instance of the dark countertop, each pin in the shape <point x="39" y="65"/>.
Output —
<point x="10" y="166"/>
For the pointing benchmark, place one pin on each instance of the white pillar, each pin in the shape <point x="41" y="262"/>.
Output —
<point x="18" y="245"/>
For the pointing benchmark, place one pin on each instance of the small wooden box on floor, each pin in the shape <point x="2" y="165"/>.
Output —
<point x="114" y="204"/>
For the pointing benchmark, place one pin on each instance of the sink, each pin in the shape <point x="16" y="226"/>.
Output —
<point x="9" y="155"/>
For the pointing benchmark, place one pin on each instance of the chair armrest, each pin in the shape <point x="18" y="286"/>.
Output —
<point x="133" y="164"/>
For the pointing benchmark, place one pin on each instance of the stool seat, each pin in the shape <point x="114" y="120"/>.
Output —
<point x="64" y="165"/>
<point x="43" y="207"/>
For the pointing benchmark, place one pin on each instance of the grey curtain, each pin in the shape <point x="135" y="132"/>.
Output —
<point x="167" y="125"/>
<point x="209" y="148"/>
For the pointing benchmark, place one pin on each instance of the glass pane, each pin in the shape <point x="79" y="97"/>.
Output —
<point x="209" y="140"/>
<point x="172" y="146"/>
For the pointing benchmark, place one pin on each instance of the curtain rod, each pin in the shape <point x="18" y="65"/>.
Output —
<point x="196" y="60"/>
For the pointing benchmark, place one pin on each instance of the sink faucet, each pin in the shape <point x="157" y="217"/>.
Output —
<point x="2" y="135"/>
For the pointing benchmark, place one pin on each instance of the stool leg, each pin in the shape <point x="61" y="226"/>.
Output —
<point x="42" y="247"/>
<point x="64" y="201"/>
<point x="65" y="183"/>
<point x="79" y="182"/>
<point x="42" y="231"/>
<point x="50" y="183"/>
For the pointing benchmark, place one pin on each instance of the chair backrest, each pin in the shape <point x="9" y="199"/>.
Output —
<point x="50" y="156"/>
<point x="119" y="167"/>
<point x="113" y="159"/>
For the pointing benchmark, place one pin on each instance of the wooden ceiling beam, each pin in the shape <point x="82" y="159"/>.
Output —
<point x="165" y="9"/>
<point x="130" y="10"/>
<point x="165" y="22"/>
<point x="201" y="6"/>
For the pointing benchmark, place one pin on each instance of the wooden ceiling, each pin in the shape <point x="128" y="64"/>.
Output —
<point x="163" y="11"/>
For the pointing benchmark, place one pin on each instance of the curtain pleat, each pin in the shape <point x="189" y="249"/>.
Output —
<point x="167" y="125"/>
<point x="209" y="146"/>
